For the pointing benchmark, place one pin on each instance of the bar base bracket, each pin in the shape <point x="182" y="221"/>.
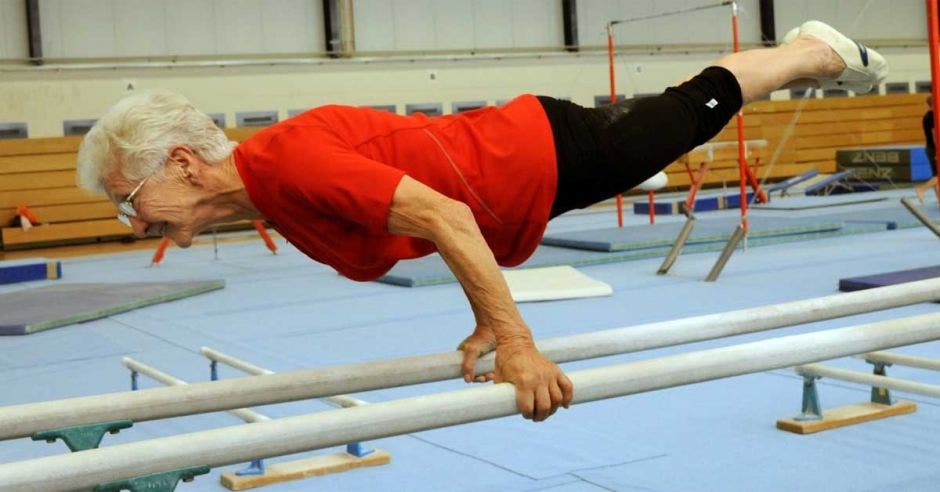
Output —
<point x="82" y="437"/>
<point x="155" y="482"/>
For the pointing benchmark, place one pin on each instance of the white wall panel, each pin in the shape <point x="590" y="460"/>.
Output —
<point x="414" y="26"/>
<point x="708" y="26"/>
<point x="537" y="23"/>
<point x="492" y="21"/>
<point x="375" y="29"/>
<point x="862" y="19"/>
<point x="139" y="28"/>
<point x="292" y="26"/>
<point x="453" y="24"/>
<point x="14" y="42"/>
<point x="121" y="28"/>
<point x="77" y="28"/>
<point x="426" y="25"/>
<point x="190" y="27"/>
<point x="238" y="26"/>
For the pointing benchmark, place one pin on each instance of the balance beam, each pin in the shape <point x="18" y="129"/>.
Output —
<point x="224" y="446"/>
<point x="156" y="403"/>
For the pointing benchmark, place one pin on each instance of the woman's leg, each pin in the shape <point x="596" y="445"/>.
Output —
<point x="608" y="150"/>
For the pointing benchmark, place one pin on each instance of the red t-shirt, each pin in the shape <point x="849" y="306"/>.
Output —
<point x="325" y="179"/>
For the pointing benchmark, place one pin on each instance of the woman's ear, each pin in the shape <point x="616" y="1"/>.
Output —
<point x="185" y="161"/>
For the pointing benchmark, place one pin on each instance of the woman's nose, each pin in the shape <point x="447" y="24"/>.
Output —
<point x="139" y="227"/>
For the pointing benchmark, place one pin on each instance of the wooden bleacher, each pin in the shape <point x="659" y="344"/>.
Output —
<point x="821" y="127"/>
<point x="40" y="173"/>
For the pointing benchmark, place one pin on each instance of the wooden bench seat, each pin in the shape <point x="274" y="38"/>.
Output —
<point x="40" y="173"/>
<point x="66" y="232"/>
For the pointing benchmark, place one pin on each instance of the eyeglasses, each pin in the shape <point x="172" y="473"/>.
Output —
<point x="126" y="207"/>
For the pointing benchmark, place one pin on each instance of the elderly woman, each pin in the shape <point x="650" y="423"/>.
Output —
<point x="359" y="189"/>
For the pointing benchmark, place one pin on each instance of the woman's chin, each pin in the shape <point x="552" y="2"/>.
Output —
<point x="180" y="238"/>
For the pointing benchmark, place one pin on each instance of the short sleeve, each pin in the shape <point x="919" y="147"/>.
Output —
<point x="335" y="180"/>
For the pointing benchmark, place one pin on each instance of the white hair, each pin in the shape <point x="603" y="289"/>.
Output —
<point x="136" y="134"/>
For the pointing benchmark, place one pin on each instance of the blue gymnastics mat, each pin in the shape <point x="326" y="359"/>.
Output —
<point x="677" y="207"/>
<point x="431" y="270"/>
<point x="12" y="271"/>
<point x="663" y="235"/>
<point x="889" y="278"/>
<point x="30" y="310"/>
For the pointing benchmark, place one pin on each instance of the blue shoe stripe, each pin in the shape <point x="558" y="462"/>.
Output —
<point x="862" y="51"/>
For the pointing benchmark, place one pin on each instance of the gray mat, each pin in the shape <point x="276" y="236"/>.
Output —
<point x="706" y="231"/>
<point x="891" y="216"/>
<point x="27" y="311"/>
<point x="811" y="202"/>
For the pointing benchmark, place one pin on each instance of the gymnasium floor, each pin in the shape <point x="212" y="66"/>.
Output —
<point x="286" y="312"/>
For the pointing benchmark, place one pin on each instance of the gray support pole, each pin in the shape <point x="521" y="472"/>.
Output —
<point x="768" y="29"/>
<point x="228" y="445"/>
<point x="331" y="28"/>
<point x="912" y="208"/>
<point x="149" y="404"/>
<point x="569" y="19"/>
<point x="34" y="31"/>
<point x="725" y="254"/>
<point x="869" y="379"/>
<point x="677" y="245"/>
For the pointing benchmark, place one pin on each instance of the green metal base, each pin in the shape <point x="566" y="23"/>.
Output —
<point x="82" y="437"/>
<point x="155" y="482"/>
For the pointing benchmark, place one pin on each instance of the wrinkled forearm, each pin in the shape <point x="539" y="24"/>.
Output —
<point x="419" y="211"/>
<point x="463" y="247"/>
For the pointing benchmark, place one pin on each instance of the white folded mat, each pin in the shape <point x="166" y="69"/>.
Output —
<point x="552" y="284"/>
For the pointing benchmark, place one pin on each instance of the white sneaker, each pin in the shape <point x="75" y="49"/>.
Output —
<point x="864" y="67"/>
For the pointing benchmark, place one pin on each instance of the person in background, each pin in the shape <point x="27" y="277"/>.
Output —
<point x="931" y="148"/>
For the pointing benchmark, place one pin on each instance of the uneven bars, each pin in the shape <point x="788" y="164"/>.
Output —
<point x="156" y="403"/>
<point x="229" y="445"/>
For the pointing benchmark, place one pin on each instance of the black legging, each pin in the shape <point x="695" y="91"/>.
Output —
<point x="607" y="150"/>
